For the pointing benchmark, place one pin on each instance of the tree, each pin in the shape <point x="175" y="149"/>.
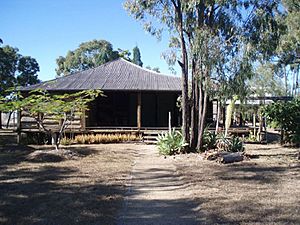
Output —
<point x="265" y="82"/>
<point x="27" y="68"/>
<point x="8" y="66"/>
<point x="288" y="49"/>
<point x="285" y="115"/>
<point x="155" y="69"/>
<point x="16" y="70"/>
<point x="40" y="104"/>
<point x="137" y="56"/>
<point x="88" y="55"/>
<point x="214" y="42"/>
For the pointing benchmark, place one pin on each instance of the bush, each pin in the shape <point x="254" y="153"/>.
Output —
<point x="223" y="142"/>
<point x="286" y="116"/>
<point x="209" y="140"/>
<point x="66" y="141"/>
<point x="236" y="145"/>
<point x="171" y="142"/>
<point x="229" y="144"/>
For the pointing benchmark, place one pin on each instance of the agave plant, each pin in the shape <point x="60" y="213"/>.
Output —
<point x="236" y="145"/>
<point x="170" y="143"/>
<point x="209" y="140"/>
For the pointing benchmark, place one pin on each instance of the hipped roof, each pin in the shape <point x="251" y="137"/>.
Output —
<point x="119" y="75"/>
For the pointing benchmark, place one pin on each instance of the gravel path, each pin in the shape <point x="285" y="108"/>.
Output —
<point x="156" y="194"/>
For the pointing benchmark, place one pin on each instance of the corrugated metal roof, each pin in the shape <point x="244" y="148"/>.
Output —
<point x="115" y="75"/>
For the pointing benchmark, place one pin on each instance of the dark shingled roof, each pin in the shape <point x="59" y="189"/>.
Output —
<point x="115" y="75"/>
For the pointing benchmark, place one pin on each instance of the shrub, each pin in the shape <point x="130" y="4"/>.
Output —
<point x="65" y="141"/>
<point x="229" y="144"/>
<point x="236" y="145"/>
<point x="285" y="115"/>
<point x="209" y="140"/>
<point x="223" y="142"/>
<point x="170" y="143"/>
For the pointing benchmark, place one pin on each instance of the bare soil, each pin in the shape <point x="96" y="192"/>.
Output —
<point x="265" y="189"/>
<point x="84" y="185"/>
<point x="88" y="184"/>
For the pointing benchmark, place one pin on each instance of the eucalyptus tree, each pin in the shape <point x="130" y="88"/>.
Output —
<point x="289" y="44"/>
<point x="210" y="40"/>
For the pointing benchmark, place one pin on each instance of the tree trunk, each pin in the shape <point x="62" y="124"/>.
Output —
<point x="200" y="112"/>
<point x="218" y="116"/>
<point x="203" y="119"/>
<point x="194" y="109"/>
<point x="184" y="77"/>
<point x="8" y="120"/>
<point x="0" y="120"/>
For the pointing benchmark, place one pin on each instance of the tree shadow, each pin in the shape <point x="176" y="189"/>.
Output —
<point x="254" y="173"/>
<point x="42" y="196"/>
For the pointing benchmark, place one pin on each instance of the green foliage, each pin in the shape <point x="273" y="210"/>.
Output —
<point x="155" y="69"/>
<point x="137" y="56"/>
<point x="229" y="144"/>
<point x="265" y="82"/>
<point x="209" y="140"/>
<point x="223" y="142"/>
<point x="88" y="55"/>
<point x="40" y="104"/>
<point x="28" y="68"/>
<point x="211" y="40"/>
<point x="236" y="145"/>
<point x="285" y="115"/>
<point x="170" y="143"/>
<point x="16" y="69"/>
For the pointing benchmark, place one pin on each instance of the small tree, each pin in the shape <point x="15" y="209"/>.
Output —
<point x="286" y="116"/>
<point x="62" y="108"/>
<point x="137" y="56"/>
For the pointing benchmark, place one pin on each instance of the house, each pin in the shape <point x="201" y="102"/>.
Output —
<point x="135" y="98"/>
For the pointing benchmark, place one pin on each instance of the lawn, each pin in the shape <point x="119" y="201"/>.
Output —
<point x="87" y="188"/>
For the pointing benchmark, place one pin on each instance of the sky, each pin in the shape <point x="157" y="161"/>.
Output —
<point x="47" y="29"/>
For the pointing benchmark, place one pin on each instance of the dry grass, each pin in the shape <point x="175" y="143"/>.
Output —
<point x="262" y="190"/>
<point x="86" y="185"/>
<point x="87" y="188"/>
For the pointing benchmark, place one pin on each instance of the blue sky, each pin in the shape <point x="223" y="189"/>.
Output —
<point x="47" y="29"/>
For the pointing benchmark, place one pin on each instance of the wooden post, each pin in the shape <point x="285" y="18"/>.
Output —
<point x="18" y="127"/>
<point x="254" y="124"/>
<point x="139" y="110"/>
<point x="83" y="120"/>
<point x="170" y="122"/>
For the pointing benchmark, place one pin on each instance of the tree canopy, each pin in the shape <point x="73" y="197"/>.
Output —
<point x="137" y="56"/>
<point x="15" y="69"/>
<point x="88" y="55"/>
<point x="211" y="41"/>
<point x="41" y="105"/>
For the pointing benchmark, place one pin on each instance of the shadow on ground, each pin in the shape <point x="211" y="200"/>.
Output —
<point x="53" y="193"/>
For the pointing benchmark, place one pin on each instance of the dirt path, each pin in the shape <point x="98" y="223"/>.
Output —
<point x="156" y="194"/>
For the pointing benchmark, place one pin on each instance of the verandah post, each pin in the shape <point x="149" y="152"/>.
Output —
<point x="139" y="110"/>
